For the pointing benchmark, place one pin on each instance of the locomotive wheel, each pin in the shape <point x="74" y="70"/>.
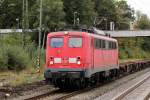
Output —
<point x="114" y="74"/>
<point x="48" y="81"/>
<point x="71" y="84"/>
<point x="62" y="84"/>
<point x="84" y="83"/>
<point x="77" y="84"/>
<point x="93" y="80"/>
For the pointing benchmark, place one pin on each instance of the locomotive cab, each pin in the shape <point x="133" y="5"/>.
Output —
<point x="65" y="56"/>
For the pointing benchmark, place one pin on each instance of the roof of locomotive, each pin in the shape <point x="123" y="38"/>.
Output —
<point x="80" y="33"/>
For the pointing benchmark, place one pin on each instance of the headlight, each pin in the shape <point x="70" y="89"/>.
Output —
<point x="78" y="62"/>
<point x="51" y="62"/>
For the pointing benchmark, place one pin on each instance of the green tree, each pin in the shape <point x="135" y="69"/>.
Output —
<point x="125" y="14"/>
<point x="82" y="9"/>
<point x="10" y="11"/>
<point x="146" y="44"/>
<point x="143" y="22"/>
<point x="112" y="10"/>
<point x="106" y="10"/>
<point x="53" y="14"/>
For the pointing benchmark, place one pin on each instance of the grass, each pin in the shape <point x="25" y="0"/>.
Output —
<point x="24" y="77"/>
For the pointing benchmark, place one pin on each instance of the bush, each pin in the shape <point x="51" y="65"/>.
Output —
<point x="13" y="58"/>
<point x="18" y="58"/>
<point x="3" y="59"/>
<point x="133" y="48"/>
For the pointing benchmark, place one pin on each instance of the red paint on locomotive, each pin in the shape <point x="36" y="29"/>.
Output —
<point x="88" y="55"/>
<point x="76" y="55"/>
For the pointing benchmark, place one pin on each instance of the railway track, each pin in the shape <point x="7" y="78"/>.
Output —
<point x="130" y="89"/>
<point x="69" y="95"/>
<point x="57" y="94"/>
<point x="42" y="95"/>
<point x="74" y="93"/>
<point x="64" y="95"/>
<point x="135" y="89"/>
<point x="147" y="97"/>
<point x="6" y="90"/>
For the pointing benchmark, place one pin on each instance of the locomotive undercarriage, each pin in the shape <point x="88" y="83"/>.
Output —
<point x="67" y="83"/>
<point x="64" y="82"/>
<point x="96" y="78"/>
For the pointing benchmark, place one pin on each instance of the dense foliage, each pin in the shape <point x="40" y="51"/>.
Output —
<point x="82" y="9"/>
<point x="13" y="56"/>
<point x="9" y="56"/>
<point x="58" y="13"/>
<point x="134" y="48"/>
<point x="143" y="22"/>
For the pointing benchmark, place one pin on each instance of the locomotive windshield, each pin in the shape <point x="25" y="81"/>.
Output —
<point x="56" y="42"/>
<point x="75" y="42"/>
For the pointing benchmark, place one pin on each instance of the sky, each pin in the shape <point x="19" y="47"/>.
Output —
<point x="141" y="5"/>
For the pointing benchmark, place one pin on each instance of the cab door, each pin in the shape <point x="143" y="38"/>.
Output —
<point x="92" y="52"/>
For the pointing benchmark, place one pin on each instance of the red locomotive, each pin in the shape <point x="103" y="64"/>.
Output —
<point x="77" y="58"/>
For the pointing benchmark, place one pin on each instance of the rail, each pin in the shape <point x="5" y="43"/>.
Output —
<point x="129" y="90"/>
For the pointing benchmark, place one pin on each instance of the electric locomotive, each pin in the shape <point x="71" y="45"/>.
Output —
<point x="79" y="58"/>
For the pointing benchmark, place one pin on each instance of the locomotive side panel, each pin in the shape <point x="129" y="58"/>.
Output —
<point x="104" y="54"/>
